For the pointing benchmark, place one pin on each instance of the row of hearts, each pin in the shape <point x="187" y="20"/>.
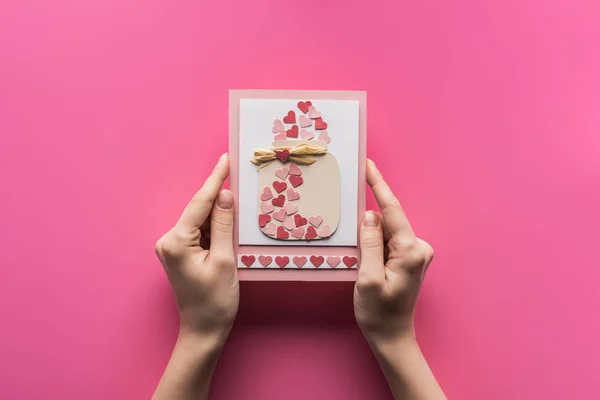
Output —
<point x="299" y="261"/>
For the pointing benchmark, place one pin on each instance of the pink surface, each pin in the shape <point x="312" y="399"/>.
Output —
<point x="483" y="115"/>
<point x="288" y="275"/>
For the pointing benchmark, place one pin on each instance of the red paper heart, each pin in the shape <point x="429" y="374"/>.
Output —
<point x="296" y="180"/>
<point x="282" y="233"/>
<point x="248" y="260"/>
<point x="290" y="118"/>
<point x="263" y="219"/>
<point x="317" y="260"/>
<point x="278" y="201"/>
<point x="300" y="221"/>
<point x="304" y="105"/>
<point x="299" y="261"/>
<point x="282" y="261"/>
<point x="311" y="233"/>
<point x="293" y="132"/>
<point x="349" y="261"/>
<point x="279" y="186"/>
<point x="320" y="124"/>
<point x="282" y="155"/>
<point x="265" y="260"/>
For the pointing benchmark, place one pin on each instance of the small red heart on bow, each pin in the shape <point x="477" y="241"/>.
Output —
<point x="282" y="155"/>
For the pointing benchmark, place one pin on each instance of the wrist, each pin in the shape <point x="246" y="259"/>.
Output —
<point x="203" y="344"/>
<point x="397" y="345"/>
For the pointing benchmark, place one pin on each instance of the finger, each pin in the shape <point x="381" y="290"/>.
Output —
<point x="394" y="218"/>
<point x="198" y="209"/>
<point x="221" y="225"/>
<point x="371" y="271"/>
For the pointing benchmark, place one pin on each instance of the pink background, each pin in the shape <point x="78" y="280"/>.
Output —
<point x="483" y="115"/>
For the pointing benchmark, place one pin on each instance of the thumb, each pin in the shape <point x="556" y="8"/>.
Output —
<point x="371" y="271"/>
<point x="221" y="224"/>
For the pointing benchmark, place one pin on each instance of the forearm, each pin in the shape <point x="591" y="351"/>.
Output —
<point x="190" y="368"/>
<point x="406" y="370"/>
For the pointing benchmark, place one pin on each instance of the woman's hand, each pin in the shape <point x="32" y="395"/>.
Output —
<point x="197" y="255"/>
<point x="393" y="265"/>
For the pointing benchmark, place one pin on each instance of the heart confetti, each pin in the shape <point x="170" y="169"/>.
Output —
<point x="288" y="222"/>
<point x="298" y="233"/>
<point x="278" y="201"/>
<point x="282" y="155"/>
<point x="324" y="231"/>
<point x="299" y="261"/>
<point x="281" y="173"/>
<point x="280" y="136"/>
<point x="266" y="208"/>
<point x="324" y="137"/>
<point x="306" y="135"/>
<point x="282" y="261"/>
<point x="290" y="208"/>
<point x="292" y="195"/>
<point x="290" y="118"/>
<point x="279" y="215"/>
<point x="270" y="229"/>
<point x="317" y="260"/>
<point x="265" y="261"/>
<point x="292" y="132"/>
<point x="248" y="260"/>
<point x="304" y="106"/>
<point x="320" y="124"/>
<point x="279" y="186"/>
<point x="313" y="113"/>
<point x="267" y="194"/>
<point x="315" y="220"/>
<point x="296" y="180"/>
<point x="278" y="126"/>
<point x="282" y="233"/>
<point x="311" y="233"/>
<point x="304" y="121"/>
<point x="295" y="169"/>
<point x="349" y="261"/>
<point x="333" y="261"/>
<point x="263" y="219"/>
<point x="299" y="220"/>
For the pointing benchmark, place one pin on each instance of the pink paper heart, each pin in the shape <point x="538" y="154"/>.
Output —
<point x="270" y="229"/>
<point x="313" y="113"/>
<point x="315" y="221"/>
<point x="266" y="194"/>
<point x="265" y="260"/>
<point x="333" y="261"/>
<point x="307" y="135"/>
<point x="280" y="136"/>
<point x="299" y="261"/>
<point x="288" y="222"/>
<point x="279" y="215"/>
<point x="278" y="126"/>
<point x="295" y="169"/>
<point x="304" y="121"/>
<point x="324" y="231"/>
<point x="266" y="208"/>
<point x="292" y="194"/>
<point x="290" y="209"/>
<point x="298" y="232"/>
<point x="282" y="173"/>
<point x="324" y="137"/>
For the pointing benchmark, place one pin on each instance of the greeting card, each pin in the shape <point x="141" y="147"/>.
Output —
<point x="297" y="171"/>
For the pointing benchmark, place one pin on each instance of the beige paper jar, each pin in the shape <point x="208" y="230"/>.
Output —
<point x="299" y="202"/>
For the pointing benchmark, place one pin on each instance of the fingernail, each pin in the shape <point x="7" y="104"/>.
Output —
<point x="371" y="162"/>
<point x="371" y="220"/>
<point x="225" y="200"/>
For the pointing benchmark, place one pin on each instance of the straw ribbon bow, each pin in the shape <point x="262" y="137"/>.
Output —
<point x="302" y="154"/>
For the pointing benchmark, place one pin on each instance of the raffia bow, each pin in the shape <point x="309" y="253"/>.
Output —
<point x="302" y="154"/>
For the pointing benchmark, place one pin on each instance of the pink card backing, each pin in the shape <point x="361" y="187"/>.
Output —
<point x="341" y="273"/>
